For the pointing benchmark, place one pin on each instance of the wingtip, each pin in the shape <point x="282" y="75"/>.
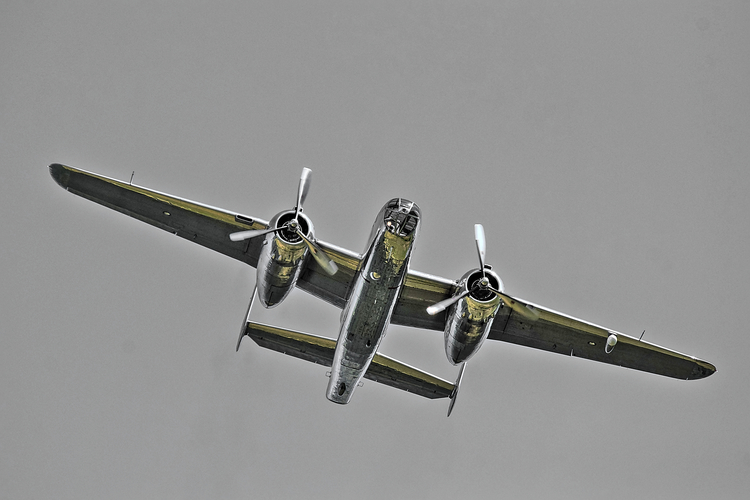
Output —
<point x="60" y="174"/>
<point x="703" y="369"/>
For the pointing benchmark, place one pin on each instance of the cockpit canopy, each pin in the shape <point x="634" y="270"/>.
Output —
<point x="401" y="216"/>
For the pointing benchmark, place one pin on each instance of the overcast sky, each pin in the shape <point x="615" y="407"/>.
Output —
<point x="603" y="145"/>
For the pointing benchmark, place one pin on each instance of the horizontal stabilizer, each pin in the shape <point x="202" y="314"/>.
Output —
<point x="383" y="369"/>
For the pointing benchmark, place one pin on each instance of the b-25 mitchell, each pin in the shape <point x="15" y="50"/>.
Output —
<point x="374" y="289"/>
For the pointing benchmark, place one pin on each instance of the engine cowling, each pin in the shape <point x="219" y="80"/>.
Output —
<point x="469" y="320"/>
<point x="287" y="241"/>
<point x="283" y="257"/>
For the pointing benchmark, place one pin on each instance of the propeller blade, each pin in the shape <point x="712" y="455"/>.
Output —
<point x="319" y="254"/>
<point x="304" y="187"/>
<point x="445" y="304"/>
<point x="252" y="233"/>
<point x="527" y="312"/>
<point x="481" y="244"/>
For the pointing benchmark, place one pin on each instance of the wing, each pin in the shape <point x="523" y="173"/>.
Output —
<point x="553" y="332"/>
<point x="383" y="369"/>
<point x="420" y="291"/>
<point x="557" y="332"/>
<point x="206" y="225"/>
<point x="333" y="289"/>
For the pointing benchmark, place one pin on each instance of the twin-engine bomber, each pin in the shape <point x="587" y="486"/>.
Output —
<point x="374" y="289"/>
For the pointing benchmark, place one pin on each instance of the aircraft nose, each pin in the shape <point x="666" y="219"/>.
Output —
<point x="409" y="207"/>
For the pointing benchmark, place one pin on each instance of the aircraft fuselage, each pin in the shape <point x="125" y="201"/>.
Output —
<point x="365" y="318"/>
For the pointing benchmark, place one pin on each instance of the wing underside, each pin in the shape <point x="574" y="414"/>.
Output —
<point x="553" y="332"/>
<point x="421" y="290"/>
<point x="557" y="332"/>
<point x="320" y="350"/>
<point x="205" y="225"/>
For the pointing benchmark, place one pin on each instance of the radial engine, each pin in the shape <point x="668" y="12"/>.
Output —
<point x="471" y="310"/>
<point x="287" y="242"/>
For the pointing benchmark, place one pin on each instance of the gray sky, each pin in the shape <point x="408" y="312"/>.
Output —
<point x="604" y="147"/>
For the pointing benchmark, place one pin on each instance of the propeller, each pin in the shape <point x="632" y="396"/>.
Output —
<point x="481" y="245"/>
<point x="293" y="225"/>
<point x="304" y="187"/>
<point x="526" y="311"/>
<point x="252" y="233"/>
<point x="319" y="254"/>
<point x="484" y="284"/>
<point x="445" y="304"/>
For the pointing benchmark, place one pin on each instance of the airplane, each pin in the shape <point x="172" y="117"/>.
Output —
<point x="374" y="289"/>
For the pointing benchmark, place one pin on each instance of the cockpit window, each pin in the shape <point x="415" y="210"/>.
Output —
<point x="401" y="216"/>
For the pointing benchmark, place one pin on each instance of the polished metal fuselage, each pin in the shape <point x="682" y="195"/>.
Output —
<point x="365" y="318"/>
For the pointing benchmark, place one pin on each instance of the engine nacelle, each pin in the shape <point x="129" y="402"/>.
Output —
<point x="468" y="321"/>
<point x="282" y="259"/>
